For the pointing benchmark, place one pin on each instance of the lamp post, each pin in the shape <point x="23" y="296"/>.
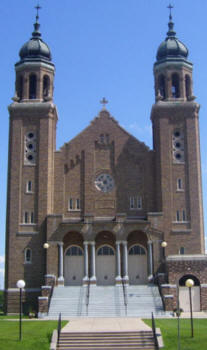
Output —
<point x="163" y="245"/>
<point x="20" y="285"/>
<point x="46" y="246"/>
<point x="190" y="283"/>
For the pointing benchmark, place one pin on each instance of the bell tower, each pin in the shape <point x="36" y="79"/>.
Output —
<point x="32" y="142"/>
<point x="177" y="150"/>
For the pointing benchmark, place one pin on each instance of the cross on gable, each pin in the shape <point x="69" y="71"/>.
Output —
<point x="104" y="102"/>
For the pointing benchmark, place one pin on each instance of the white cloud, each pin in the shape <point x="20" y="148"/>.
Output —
<point x="1" y="259"/>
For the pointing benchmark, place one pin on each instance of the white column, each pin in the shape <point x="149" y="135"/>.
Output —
<point x="118" y="262"/>
<point x="150" y="260"/>
<point x="125" y="251"/>
<point x="85" y="243"/>
<point x="60" y="277"/>
<point x="93" y="262"/>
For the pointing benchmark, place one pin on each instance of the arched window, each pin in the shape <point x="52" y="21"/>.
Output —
<point x="187" y="86"/>
<point x="46" y="85"/>
<point x="175" y="89"/>
<point x="32" y="86"/>
<point x="182" y="251"/>
<point x="19" y="87"/>
<point x="74" y="251"/>
<point x="136" y="250"/>
<point x="186" y="277"/>
<point x="105" y="250"/>
<point x="161" y="86"/>
<point x="28" y="255"/>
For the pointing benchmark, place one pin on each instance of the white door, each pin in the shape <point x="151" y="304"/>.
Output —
<point x="74" y="266"/>
<point x="137" y="265"/>
<point x="105" y="266"/>
<point x="185" y="298"/>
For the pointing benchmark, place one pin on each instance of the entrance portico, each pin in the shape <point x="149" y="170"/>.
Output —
<point x="105" y="260"/>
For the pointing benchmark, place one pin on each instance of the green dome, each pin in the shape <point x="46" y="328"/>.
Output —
<point x="171" y="47"/>
<point x="35" y="48"/>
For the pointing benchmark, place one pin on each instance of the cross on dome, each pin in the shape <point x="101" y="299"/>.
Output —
<point x="38" y="7"/>
<point x="170" y="7"/>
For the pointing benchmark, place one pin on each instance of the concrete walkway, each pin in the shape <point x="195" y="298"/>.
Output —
<point x="105" y="325"/>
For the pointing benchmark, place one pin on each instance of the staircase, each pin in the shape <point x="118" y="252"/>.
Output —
<point x="142" y="300"/>
<point x="70" y="301"/>
<point x="106" y="301"/>
<point x="142" y="340"/>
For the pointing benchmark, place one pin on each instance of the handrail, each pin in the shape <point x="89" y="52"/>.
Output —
<point x="59" y="328"/>
<point x="125" y="296"/>
<point x="87" y="296"/>
<point x="161" y="293"/>
<point x="154" y="333"/>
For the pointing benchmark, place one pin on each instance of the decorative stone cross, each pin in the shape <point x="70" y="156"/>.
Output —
<point x="104" y="102"/>
<point x="38" y="7"/>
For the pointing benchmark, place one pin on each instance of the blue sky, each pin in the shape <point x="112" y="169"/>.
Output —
<point x="101" y="48"/>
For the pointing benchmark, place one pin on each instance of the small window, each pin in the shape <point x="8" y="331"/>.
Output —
<point x="136" y="250"/>
<point x="29" y="186"/>
<point x="184" y="215"/>
<point x="71" y="204"/>
<point x="182" y="251"/>
<point x="28" y="255"/>
<point x="78" y="204"/>
<point x="132" y="206"/>
<point x="177" y="215"/>
<point x="135" y="202"/>
<point x="28" y="217"/>
<point x="74" y="251"/>
<point x="139" y="202"/>
<point x="32" y="86"/>
<point x="179" y="184"/>
<point x="106" y="250"/>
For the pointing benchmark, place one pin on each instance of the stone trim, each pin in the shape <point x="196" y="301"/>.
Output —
<point x="181" y="230"/>
<point x="187" y="257"/>
<point x="30" y="290"/>
<point x="203" y="285"/>
<point x="46" y="287"/>
<point x="27" y="233"/>
<point x="169" y="296"/>
<point x="155" y="213"/>
<point x="168" y="285"/>
<point x="43" y="298"/>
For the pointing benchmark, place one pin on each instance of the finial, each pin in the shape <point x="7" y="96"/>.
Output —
<point x="170" y="7"/>
<point x="36" y="32"/>
<point x="104" y="102"/>
<point x="38" y="7"/>
<point x="171" y="32"/>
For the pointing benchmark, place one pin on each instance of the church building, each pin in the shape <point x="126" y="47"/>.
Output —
<point x="98" y="210"/>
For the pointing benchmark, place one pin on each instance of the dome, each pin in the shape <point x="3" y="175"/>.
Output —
<point x="171" y="47"/>
<point x="35" y="48"/>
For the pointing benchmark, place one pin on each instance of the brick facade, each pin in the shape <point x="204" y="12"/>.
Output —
<point x="136" y="202"/>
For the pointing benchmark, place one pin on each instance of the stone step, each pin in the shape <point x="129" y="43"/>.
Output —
<point x="107" y="340"/>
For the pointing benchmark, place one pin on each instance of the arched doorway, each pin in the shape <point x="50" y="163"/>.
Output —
<point x="184" y="294"/>
<point x="105" y="265"/>
<point x="73" y="266"/>
<point x="137" y="259"/>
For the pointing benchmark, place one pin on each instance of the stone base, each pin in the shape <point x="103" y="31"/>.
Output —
<point x="61" y="281"/>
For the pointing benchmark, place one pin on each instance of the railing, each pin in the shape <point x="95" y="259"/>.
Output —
<point x="154" y="333"/>
<point x="125" y="296"/>
<point x="59" y="328"/>
<point x="87" y="296"/>
<point x="160" y="291"/>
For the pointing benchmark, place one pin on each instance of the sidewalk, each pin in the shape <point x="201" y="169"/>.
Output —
<point x="105" y="325"/>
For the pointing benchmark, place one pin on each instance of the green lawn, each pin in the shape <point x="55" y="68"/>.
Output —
<point x="169" y="333"/>
<point x="35" y="335"/>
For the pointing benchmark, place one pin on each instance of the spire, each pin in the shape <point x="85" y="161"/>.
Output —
<point x="171" y="33"/>
<point x="36" y="33"/>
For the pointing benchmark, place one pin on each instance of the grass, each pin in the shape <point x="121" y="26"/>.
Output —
<point x="169" y="333"/>
<point x="35" y="335"/>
